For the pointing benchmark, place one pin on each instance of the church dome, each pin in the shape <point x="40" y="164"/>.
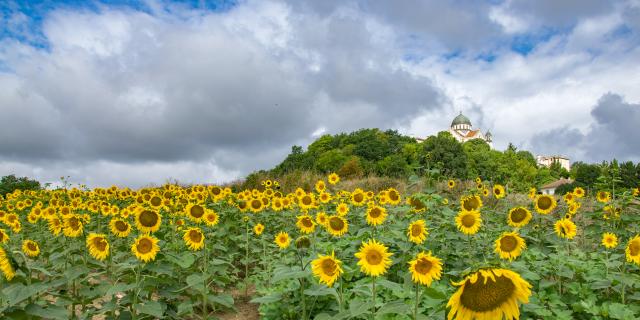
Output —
<point x="461" y="119"/>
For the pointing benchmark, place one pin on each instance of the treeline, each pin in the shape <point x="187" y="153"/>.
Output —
<point x="387" y="153"/>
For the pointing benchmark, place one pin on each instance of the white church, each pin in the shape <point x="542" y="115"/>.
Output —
<point x="463" y="131"/>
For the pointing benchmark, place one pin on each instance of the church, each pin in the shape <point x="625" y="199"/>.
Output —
<point x="462" y="130"/>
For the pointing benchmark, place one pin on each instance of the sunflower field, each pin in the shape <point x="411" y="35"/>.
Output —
<point x="468" y="251"/>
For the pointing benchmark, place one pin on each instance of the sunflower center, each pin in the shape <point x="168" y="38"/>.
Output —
<point x="31" y="246"/>
<point x="196" y="211"/>
<point x="336" y="223"/>
<point x="282" y="239"/>
<point x="328" y="267"/>
<point x="358" y="197"/>
<point x="508" y="243"/>
<point x="156" y="201"/>
<point x="121" y="226"/>
<point x="497" y="191"/>
<point x="393" y="195"/>
<point x="518" y="215"/>
<point x="375" y="212"/>
<point x="144" y="246"/>
<point x="195" y="235"/>
<point x="634" y="248"/>
<point x="373" y="257"/>
<point x="544" y="203"/>
<point x="482" y="297"/>
<point x="211" y="217"/>
<point x="306" y="222"/>
<point x="306" y="200"/>
<point x="74" y="223"/>
<point x="148" y="218"/>
<point x="100" y="243"/>
<point x="468" y="220"/>
<point x="470" y="204"/>
<point x="423" y="266"/>
<point x="416" y="230"/>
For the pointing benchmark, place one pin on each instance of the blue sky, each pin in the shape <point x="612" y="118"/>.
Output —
<point x="115" y="92"/>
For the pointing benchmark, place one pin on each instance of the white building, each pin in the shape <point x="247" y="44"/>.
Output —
<point x="462" y="130"/>
<point x="547" y="161"/>
<point x="550" y="188"/>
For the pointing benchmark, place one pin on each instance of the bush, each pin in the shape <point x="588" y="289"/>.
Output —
<point x="11" y="183"/>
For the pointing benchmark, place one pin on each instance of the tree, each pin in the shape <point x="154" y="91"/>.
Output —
<point x="444" y="152"/>
<point x="587" y="174"/>
<point x="628" y="175"/>
<point x="11" y="183"/>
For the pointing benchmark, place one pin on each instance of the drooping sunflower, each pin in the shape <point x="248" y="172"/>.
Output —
<point x="498" y="191"/>
<point x="518" y="217"/>
<point x="333" y="178"/>
<point x="609" y="240"/>
<point x="416" y="205"/>
<point x="545" y="203"/>
<point x="425" y="268"/>
<point x="98" y="246"/>
<point x="282" y="240"/>
<point x="4" y="237"/>
<point x="193" y="238"/>
<point x="468" y="222"/>
<point x="30" y="248"/>
<point x="326" y="268"/>
<point x="305" y="224"/>
<point x="417" y="231"/>
<point x="195" y="212"/>
<point x="633" y="250"/>
<point x="258" y="229"/>
<point x="471" y="203"/>
<point x="145" y="248"/>
<point x="565" y="228"/>
<point x="72" y="226"/>
<point x="119" y="227"/>
<point x="510" y="246"/>
<point x="451" y="184"/>
<point x="489" y="294"/>
<point x="148" y="220"/>
<point x="376" y="215"/>
<point x="603" y="196"/>
<point x="373" y="258"/>
<point x="342" y="209"/>
<point x="337" y="225"/>
<point x="5" y="265"/>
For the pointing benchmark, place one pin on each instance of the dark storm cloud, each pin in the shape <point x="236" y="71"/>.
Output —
<point x="613" y="134"/>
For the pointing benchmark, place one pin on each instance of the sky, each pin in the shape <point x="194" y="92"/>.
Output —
<point x="142" y="92"/>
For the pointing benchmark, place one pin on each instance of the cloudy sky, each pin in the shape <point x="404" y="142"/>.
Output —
<point x="137" y="92"/>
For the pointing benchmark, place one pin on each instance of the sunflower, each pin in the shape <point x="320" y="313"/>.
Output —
<point x="30" y="248"/>
<point x="376" y="215"/>
<point x="145" y="248"/>
<point x="72" y="226"/>
<point x="633" y="250"/>
<point x="258" y="229"/>
<point x="255" y="205"/>
<point x="498" y="191"/>
<point x="193" y="238"/>
<point x="485" y="192"/>
<point x="4" y="237"/>
<point x="358" y="197"/>
<point x="342" y="209"/>
<point x="5" y="265"/>
<point x="282" y="240"/>
<point x="373" y="258"/>
<point x="195" y="212"/>
<point x="603" y="196"/>
<point x="119" y="227"/>
<point x="489" y="294"/>
<point x="425" y="268"/>
<point x="333" y="178"/>
<point x="416" y="205"/>
<point x="326" y="268"/>
<point x="148" y="220"/>
<point x="98" y="246"/>
<point x="451" y="184"/>
<point x="324" y="197"/>
<point x="532" y="193"/>
<point x="320" y="186"/>
<point x="307" y="201"/>
<point x="337" y="225"/>
<point x="478" y="180"/>
<point x="211" y="218"/>
<point x="417" y="231"/>
<point x="573" y="207"/>
<point x="393" y="196"/>
<point x="636" y="192"/>
<point x="471" y="203"/>
<point x="569" y="197"/>
<point x="565" y="228"/>
<point x="510" y="245"/>
<point x="609" y="240"/>
<point x="305" y="224"/>
<point x="321" y="218"/>
<point x="468" y="222"/>
<point x="518" y="217"/>
<point x="545" y="203"/>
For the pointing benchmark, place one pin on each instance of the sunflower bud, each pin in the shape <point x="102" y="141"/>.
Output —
<point x="303" y="242"/>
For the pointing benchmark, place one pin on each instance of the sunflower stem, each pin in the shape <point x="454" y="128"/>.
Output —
<point x="204" y="279"/>
<point x="624" y="283"/>
<point x="417" y="302"/>
<point x="373" y="295"/>
<point x="246" y="260"/>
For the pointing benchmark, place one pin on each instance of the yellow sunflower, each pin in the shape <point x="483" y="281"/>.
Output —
<point x="451" y="184"/>
<point x="211" y="218"/>
<point x="282" y="240"/>
<point x="498" y="191"/>
<point x="193" y="238"/>
<point x="578" y="192"/>
<point x="320" y="186"/>
<point x="30" y="248"/>
<point x="425" y="268"/>
<point x="307" y="201"/>
<point x="342" y="209"/>
<point x="255" y="205"/>
<point x="417" y="231"/>
<point x="321" y="218"/>
<point x="333" y="178"/>
<point x="633" y="250"/>
<point x="98" y="246"/>
<point x="305" y="224"/>
<point x="358" y="197"/>
<point x="532" y="193"/>
<point x="510" y="246"/>
<point x="258" y="229"/>
<point x="148" y="220"/>
<point x="324" y="197"/>
<point x="518" y="217"/>
<point x="545" y="203"/>
<point x="55" y="225"/>
<point x="393" y="196"/>
<point x="569" y="197"/>
<point x="373" y="258"/>
<point x="468" y="222"/>
<point x="485" y="192"/>
<point x="565" y="228"/>
<point x="471" y="203"/>
<point x="4" y="237"/>
<point x="636" y="192"/>
<point x="145" y="248"/>
<point x="326" y="268"/>
<point x="195" y="212"/>
<point x="72" y="226"/>
<point x="603" y="196"/>
<point x="5" y="265"/>
<point x="489" y="294"/>
<point x="119" y="227"/>
<point x="609" y="240"/>
<point x="376" y="215"/>
<point x="337" y="225"/>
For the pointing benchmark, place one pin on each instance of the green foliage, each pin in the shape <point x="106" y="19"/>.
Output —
<point x="10" y="183"/>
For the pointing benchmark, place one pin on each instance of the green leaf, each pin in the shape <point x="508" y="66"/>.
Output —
<point x="222" y="299"/>
<point x="288" y="274"/>
<point x="197" y="281"/>
<point x="320" y="290"/>
<point x="358" y="307"/>
<point x="185" y="308"/>
<point x="153" y="308"/>
<point x="394" y="307"/>
<point x="433" y="293"/>
<point x="620" y="311"/>
<point x="274" y="297"/>
<point x="120" y="287"/>
<point x="49" y="312"/>
<point x="184" y="261"/>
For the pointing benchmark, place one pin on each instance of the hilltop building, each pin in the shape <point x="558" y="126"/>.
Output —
<point x="547" y="161"/>
<point x="462" y="130"/>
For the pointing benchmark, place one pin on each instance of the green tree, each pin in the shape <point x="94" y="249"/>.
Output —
<point x="11" y="183"/>
<point x="445" y="153"/>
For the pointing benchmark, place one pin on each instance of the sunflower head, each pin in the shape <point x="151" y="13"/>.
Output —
<point x="545" y="203"/>
<point x="30" y="248"/>
<point x="376" y="215"/>
<point x="633" y="250"/>
<point x="145" y="248"/>
<point x="320" y="186"/>
<point x="148" y="220"/>
<point x="498" y="191"/>
<point x="337" y="225"/>
<point x="393" y="196"/>
<point x="193" y="238"/>
<point x="119" y="227"/>
<point x="373" y="258"/>
<point x="519" y="217"/>
<point x="98" y="246"/>
<point x="565" y="228"/>
<point x="303" y="242"/>
<point x="327" y="269"/>
<point x="417" y="231"/>
<point x="425" y="268"/>
<point x="609" y="240"/>
<point x="451" y="184"/>
<point x="468" y="222"/>
<point x="342" y="209"/>
<point x="510" y="246"/>
<point x="471" y="203"/>
<point x="333" y="178"/>
<point x="603" y="196"/>
<point x="258" y="229"/>
<point x="282" y="240"/>
<point x="306" y="224"/>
